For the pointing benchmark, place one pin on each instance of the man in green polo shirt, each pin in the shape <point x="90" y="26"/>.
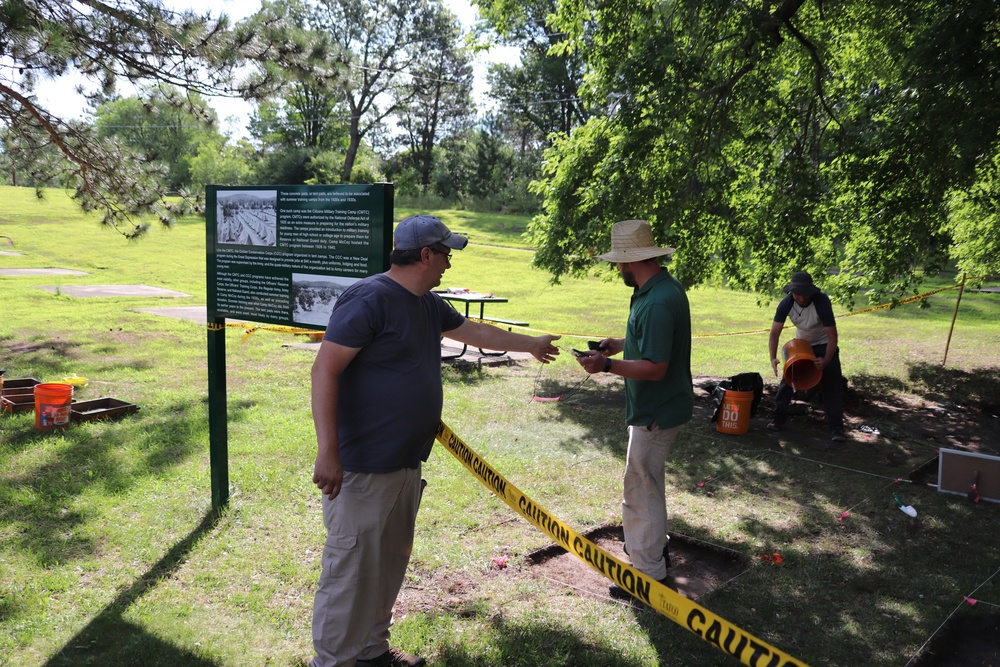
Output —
<point x="656" y="365"/>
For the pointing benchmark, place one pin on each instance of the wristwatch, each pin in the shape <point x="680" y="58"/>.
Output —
<point x="607" y="364"/>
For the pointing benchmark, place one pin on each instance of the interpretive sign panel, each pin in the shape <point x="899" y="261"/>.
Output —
<point x="282" y="254"/>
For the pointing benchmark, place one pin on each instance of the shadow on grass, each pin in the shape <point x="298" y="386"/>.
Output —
<point x="463" y="375"/>
<point x="598" y="408"/>
<point x="981" y="386"/>
<point x="936" y="383"/>
<point x="111" y="457"/>
<point x="968" y="638"/>
<point x="109" y="639"/>
<point x="531" y="644"/>
<point x="52" y="359"/>
<point x="828" y="509"/>
<point x="468" y="375"/>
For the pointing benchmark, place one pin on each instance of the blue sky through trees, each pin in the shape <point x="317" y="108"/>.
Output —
<point x="60" y="98"/>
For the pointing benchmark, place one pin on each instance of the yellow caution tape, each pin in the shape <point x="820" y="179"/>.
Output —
<point x="253" y="328"/>
<point x="891" y="304"/>
<point x="736" y="333"/>
<point x="714" y="629"/>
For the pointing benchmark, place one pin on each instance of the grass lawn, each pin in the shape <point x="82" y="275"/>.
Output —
<point x="109" y="554"/>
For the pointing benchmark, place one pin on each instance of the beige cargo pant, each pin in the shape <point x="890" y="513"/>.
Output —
<point x="370" y="528"/>
<point x="644" y="504"/>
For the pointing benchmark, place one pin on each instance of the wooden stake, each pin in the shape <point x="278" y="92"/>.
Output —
<point x="961" y="288"/>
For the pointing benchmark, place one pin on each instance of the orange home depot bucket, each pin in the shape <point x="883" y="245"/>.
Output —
<point x="800" y="371"/>
<point x="52" y="405"/>
<point x="734" y="413"/>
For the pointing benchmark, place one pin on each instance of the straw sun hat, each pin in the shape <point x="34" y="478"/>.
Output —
<point x="632" y="241"/>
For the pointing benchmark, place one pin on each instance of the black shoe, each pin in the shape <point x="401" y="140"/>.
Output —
<point x="776" y="425"/>
<point x="837" y="435"/>
<point x="619" y="593"/>
<point x="392" y="658"/>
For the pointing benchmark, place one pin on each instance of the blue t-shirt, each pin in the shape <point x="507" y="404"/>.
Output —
<point x="390" y="393"/>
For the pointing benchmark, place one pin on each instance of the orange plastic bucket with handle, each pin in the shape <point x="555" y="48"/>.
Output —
<point x="734" y="412"/>
<point x="52" y="405"/>
<point x="800" y="370"/>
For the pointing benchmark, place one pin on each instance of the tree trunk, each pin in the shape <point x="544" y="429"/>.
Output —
<point x="352" y="151"/>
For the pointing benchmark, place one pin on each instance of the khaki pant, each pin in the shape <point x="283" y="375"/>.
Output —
<point x="369" y="540"/>
<point x="644" y="507"/>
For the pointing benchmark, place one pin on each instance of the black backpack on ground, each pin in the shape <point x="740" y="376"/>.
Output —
<point x="742" y="382"/>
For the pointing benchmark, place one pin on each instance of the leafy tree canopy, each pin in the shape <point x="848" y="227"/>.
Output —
<point x="139" y="41"/>
<point x="856" y="140"/>
<point x="436" y="104"/>
<point x="160" y="126"/>
<point x="542" y="91"/>
<point x="218" y="162"/>
<point x="380" y="42"/>
<point x="302" y="111"/>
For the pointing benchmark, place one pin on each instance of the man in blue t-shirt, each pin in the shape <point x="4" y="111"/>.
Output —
<point x="376" y="404"/>
<point x="812" y="314"/>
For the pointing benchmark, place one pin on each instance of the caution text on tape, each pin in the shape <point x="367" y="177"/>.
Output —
<point x="714" y="629"/>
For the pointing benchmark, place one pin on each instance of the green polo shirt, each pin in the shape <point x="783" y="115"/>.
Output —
<point x="659" y="329"/>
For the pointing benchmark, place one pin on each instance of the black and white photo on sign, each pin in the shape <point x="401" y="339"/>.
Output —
<point x="313" y="297"/>
<point x="247" y="217"/>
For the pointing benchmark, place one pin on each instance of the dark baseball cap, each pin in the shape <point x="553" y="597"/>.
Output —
<point x="424" y="231"/>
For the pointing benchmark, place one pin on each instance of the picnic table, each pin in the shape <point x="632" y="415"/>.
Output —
<point x="458" y="296"/>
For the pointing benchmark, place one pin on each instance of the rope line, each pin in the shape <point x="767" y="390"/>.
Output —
<point x="253" y="328"/>
<point x="844" y="468"/>
<point x="965" y="600"/>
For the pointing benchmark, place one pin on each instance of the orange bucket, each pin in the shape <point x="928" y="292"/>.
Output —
<point x="734" y="413"/>
<point x="52" y="405"/>
<point x="800" y="370"/>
